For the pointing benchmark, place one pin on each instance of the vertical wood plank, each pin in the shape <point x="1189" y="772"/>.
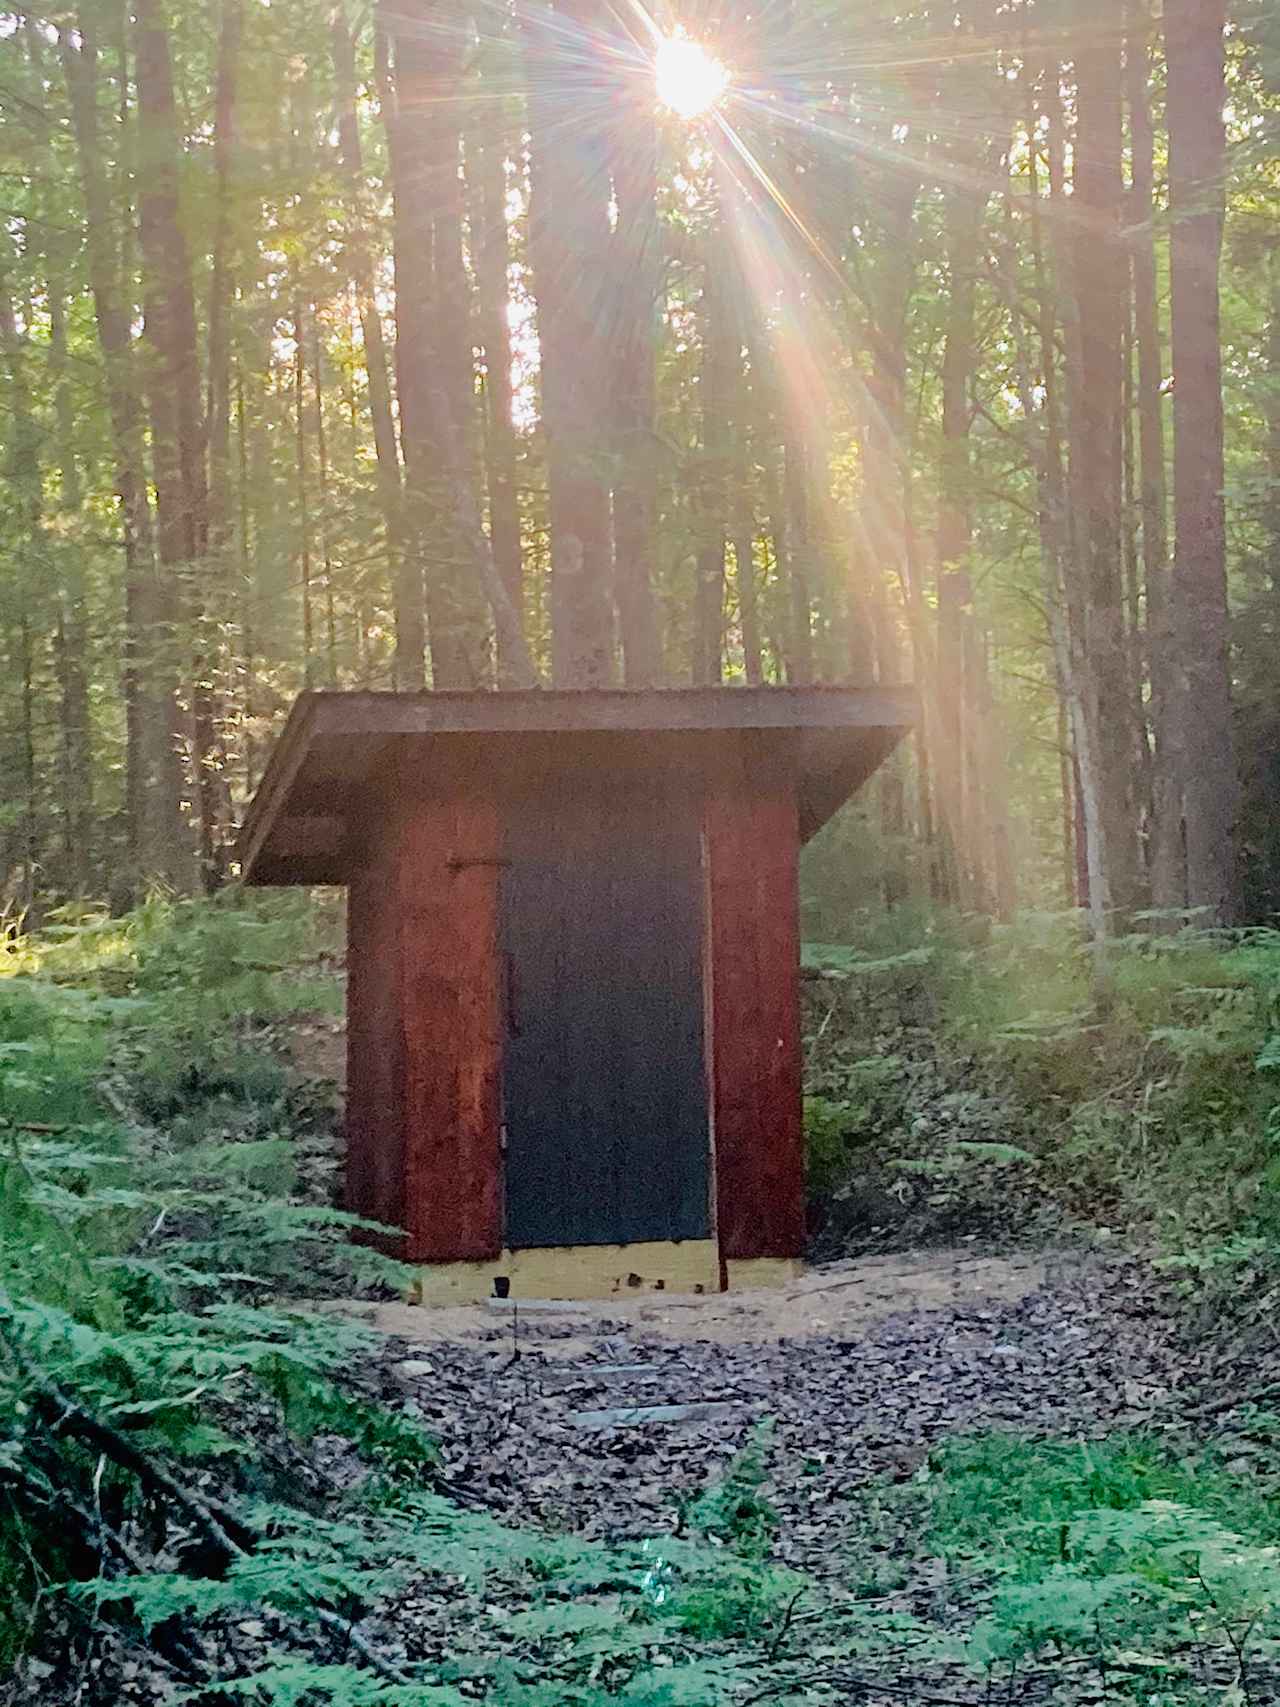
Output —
<point x="752" y="845"/>
<point x="446" y="896"/>
<point x="375" y="1043"/>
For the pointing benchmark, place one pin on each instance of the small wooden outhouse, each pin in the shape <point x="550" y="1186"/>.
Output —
<point x="573" y="967"/>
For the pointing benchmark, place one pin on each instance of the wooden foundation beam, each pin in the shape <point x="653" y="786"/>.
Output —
<point x="576" y="1272"/>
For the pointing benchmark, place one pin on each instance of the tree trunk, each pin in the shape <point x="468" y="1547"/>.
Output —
<point x="1101" y="661"/>
<point x="711" y="504"/>
<point x="636" y="273"/>
<point x="491" y="253"/>
<point x="744" y="580"/>
<point x="211" y="674"/>
<point x="1197" y="166"/>
<point x="1060" y="577"/>
<point x="225" y="144"/>
<point x="1168" y="876"/>
<point x="408" y="149"/>
<point x="439" y="475"/>
<point x="959" y="862"/>
<point x="436" y="383"/>
<point x="457" y="626"/>
<point x="568" y="242"/>
<point x="406" y="590"/>
<point x="173" y="388"/>
<point x="71" y="634"/>
<point x="796" y="534"/>
<point x="26" y="486"/>
<point x="245" y="605"/>
<point x="322" y="506"/>
<point x="71" y="638"/>
<point x="124" y="409"/>
<point x="886" y="472"/>
<point x="303" y="495"/>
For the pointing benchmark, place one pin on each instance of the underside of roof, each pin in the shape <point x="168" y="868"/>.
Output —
<point x="299" y="826"/>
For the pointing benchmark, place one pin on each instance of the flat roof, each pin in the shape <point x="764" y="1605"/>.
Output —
<point x="295" y="830"/>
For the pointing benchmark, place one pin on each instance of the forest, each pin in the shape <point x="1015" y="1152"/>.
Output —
<point x="429" y="348"/>
<point x="512" y="346"/>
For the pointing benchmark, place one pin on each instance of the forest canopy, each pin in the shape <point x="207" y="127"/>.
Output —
<point x="468" y="344"/>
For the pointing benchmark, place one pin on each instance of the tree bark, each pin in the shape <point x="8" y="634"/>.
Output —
<point x="491" y="254"/>
<point x="711" y="504"/>
<point x="457" y="627"/>
<point x="125" y="412"/>
<point x="210" y="673"/>
<point x="173" y="390"/>
<point x="796" y="533"/>
<point x="225" y="144"/>
<point x="439" y="468"/>
<point x="322" y="507"/>
<point x="71" y="629"/>
<point x="1168" y="875"/>
<point x="1100" y="281"/>
<point x="303" y="495"/>
<point x="959" y="862"/>
<point x="439" y="598"/>
<point x="568" y="241"/>
<point x="408" y="147"/>
<point x="71" y="637"/>
<point x="26" y="484"/>
<point x="636" y="274"/>
<point x="1197" y="199"/>
<point x="1083" y="874"/>
<point x="402" y="571"/>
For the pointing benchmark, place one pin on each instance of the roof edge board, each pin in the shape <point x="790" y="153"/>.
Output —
<point x="888" y="712"/>
<point x="605" y="711"/>
<point x="269" y="800"/>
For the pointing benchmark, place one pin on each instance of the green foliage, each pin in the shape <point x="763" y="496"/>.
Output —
<point x="733" y="1510"/>
<point x="162" y="1407"/>
<point x="1114" y="1551"/>
<point x="953" y="1076"/>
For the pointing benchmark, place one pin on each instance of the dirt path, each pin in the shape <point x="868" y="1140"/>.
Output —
<point x="861" y="1366"/>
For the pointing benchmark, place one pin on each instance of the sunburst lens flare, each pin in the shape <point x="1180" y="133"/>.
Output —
<point x="690" y="81"/>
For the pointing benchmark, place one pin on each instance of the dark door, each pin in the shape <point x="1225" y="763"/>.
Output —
<point x="604" y="1094"/>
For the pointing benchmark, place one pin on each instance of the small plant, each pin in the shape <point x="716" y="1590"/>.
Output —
<point x="733" y="1511"/>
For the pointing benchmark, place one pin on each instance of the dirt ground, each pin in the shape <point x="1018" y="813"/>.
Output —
<point x="597" y="1419"/>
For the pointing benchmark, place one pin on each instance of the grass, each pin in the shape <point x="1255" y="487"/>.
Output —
<point x="1005" y="1500"/>
<point x="1124" y="1569"/>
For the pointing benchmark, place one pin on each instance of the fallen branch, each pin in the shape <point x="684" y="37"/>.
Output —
<point x="61" y="1413"/>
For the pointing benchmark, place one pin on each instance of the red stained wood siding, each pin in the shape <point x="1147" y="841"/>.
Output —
<point x="448" y="899"/>
<point x="375" y="1043"/>
<point x="753" y="999"/>
<point x="424" y="1121"/>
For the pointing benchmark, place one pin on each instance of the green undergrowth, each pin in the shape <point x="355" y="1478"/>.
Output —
<point x="195" y="1470"/>
<point x="155" y="1204"/>
<point x="199" y="1478"/>
<point x="1124" y="1569"/>
<point x="965" y="1080"/>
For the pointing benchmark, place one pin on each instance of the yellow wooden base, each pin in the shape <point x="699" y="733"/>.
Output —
<point x="761" y="1274"/>
<point x="576" y="1272"/>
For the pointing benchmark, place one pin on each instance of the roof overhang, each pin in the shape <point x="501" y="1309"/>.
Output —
<point x="298" y="826"/>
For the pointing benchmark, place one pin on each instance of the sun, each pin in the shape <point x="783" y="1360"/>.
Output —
<point x="689" y="80"/>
